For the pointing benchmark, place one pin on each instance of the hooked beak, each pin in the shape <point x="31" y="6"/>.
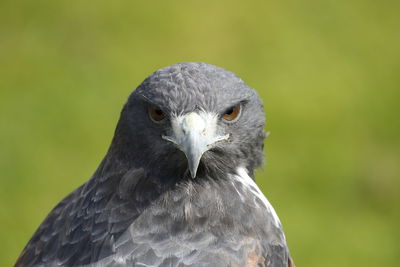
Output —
<point x="194" y="134"/>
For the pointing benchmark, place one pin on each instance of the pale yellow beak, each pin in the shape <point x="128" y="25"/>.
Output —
<point x="194" y="134"/>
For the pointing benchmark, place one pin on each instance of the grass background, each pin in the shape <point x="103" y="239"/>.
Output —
<point x="328" y="72"/>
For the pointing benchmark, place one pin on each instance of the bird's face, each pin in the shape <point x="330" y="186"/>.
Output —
<point x="195" y="117"/>
<point x="196" y="132"/>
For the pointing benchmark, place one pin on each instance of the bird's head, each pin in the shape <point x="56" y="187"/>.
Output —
<point x="191" y="119"/>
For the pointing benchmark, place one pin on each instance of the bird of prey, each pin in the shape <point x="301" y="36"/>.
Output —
<point x="176" y="187"/>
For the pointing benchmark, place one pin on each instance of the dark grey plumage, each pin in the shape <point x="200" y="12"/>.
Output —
<point x="143" y="208"/>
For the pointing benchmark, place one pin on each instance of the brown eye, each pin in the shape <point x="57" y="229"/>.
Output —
<point x="156" y="114"/>
<point x="232" y="113"/>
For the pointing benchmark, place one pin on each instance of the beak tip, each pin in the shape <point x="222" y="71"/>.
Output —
<point x="193" y="172"/>
<point x="194" y="162"/>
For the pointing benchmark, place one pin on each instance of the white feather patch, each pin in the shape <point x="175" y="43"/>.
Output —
<point x="246" y="180"/>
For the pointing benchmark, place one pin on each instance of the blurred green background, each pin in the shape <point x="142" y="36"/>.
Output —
<point x="328" y="72"/>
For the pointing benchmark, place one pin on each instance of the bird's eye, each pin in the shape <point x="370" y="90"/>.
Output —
<point x="156" y="114"/>
<point x="232" y="113"/>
